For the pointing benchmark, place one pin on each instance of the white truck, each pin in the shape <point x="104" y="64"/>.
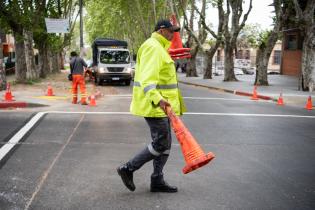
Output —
<point x="111" y="61"/>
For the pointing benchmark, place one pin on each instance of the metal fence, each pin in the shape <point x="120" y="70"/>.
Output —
<point x="240" y="65"/>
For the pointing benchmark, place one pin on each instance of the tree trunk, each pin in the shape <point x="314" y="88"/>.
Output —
<point x="261" y="67"/>
<point x="50" y="61"/>
<point x="263" y="56"/>
<point x="31" y="72"/>
<point x="308" y="59"/>
<point x="61" y="60"/>
<point x="3" y="80"/>
<point x="54" y="62"/>
<point x="20" y="63"/>
<point x="42" y="60"/>
<point x="191" y="70"/>
<point x="229" y="63"/>
<point x="209" y="59"/>
<point x="208" y="71"/>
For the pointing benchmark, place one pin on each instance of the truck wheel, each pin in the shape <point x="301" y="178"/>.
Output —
<point x="127" y="82"/>
<point x="98" y="81"/>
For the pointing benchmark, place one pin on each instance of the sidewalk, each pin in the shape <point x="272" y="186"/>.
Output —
<point x="288" y="85"/>
<point x="34" y="96"/>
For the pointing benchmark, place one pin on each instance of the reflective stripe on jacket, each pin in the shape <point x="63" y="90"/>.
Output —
<point x="155" y="79"/>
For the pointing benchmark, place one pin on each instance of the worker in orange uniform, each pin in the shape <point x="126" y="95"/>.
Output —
<point x="77" y="66"/>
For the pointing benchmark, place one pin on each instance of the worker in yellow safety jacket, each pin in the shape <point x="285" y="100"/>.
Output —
<point x="155" y="88"/>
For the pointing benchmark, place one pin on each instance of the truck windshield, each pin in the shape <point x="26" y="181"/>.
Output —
<point x="114" y="57"/>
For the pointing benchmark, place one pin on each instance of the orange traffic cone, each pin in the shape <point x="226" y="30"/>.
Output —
<point x="309" y="105"/>
<point x="193" y="154"/>
<point x="255" y="97"/>
<point x="49" y="91"/>
<point x="8" y="95"/>
<point x="92" y="101"/>
<point x="280" y="100"/>
<point x="176" y="49"/>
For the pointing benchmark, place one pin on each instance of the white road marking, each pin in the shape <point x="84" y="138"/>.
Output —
<point x="250" y="115"/>
<point x="196" y="98"/>
<point x="223" y="99"/>
<point x="192" y="113"/>
<point x="125" y="96"/>
<point x="19" y="135"/>
<point x="5" y="149"/>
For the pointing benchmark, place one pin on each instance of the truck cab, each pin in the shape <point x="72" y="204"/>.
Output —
<point x="111" y="61"/>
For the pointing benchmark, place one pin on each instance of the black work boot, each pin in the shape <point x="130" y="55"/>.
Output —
<point x="159" y="185"/>
<point x="126" y="176"/>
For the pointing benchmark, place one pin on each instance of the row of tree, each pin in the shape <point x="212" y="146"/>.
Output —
<point x="288" y="14"/>
<point x="133" y="20"/>
<point x="26" y="21"/>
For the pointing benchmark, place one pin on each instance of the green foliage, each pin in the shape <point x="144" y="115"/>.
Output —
<point x="130" y="20"/>
<point x="250" y="36"/>
<point x="263" y="38"/>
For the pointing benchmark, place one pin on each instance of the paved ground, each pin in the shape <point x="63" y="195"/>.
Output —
<point x="287" y="85"/>
<point x="264" y="155"/>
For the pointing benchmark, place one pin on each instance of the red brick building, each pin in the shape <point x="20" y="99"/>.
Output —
<point x="291" y="52"/>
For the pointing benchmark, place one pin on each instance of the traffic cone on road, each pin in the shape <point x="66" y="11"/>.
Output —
<point x="309" y="105"/>
<point x="92" y="101"/>
<point x="49" y="91"/>
<point x="280" y="100"/>
<point x="255" y="97"/>
<point x="192" y="152"/>
<point x="8" y="95"/>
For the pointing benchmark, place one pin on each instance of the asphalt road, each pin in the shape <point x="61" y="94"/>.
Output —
<point x="265" y="157"/>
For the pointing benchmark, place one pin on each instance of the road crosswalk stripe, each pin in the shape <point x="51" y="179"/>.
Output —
<point x="5" y="149"/>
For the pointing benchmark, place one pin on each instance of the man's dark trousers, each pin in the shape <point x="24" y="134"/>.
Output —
<point x="158" y="150"/>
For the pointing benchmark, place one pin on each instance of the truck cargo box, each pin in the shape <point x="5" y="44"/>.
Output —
<point x="106" y="42"/>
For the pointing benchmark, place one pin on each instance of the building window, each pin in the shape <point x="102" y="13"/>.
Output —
<point x="277" y="57"/>
<point x="239" y="54"/>
<point x="292" y="42"/>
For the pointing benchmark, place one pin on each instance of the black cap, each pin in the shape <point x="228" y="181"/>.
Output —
<point x="73" y="54"/>
<point x="166" y="24"/>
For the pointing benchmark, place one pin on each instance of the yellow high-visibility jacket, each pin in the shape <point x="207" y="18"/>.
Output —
<point x="155" y="79"/>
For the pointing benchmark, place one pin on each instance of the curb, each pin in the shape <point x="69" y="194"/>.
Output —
<point x="18" y="104"/>
<point x="12" y="104"/>
<point x="235" y="92"/>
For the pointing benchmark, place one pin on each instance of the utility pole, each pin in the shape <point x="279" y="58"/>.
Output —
<point x="81" y="24"/>
<point x="3" y="81"/>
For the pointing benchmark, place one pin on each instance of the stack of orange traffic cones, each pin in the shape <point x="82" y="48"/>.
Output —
<point x="309" y="105"/>
<point x="8" y="95"/>
<point x="176" y="49"/>
<point x="280" y="100"/>
<point x="255" y="97"/>
<point x="192" y="152"/>
<point x="49" y="91"/>
<point x="92" y="101"/>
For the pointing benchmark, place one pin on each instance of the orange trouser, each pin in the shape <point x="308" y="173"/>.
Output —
<point x="78" y="79"/>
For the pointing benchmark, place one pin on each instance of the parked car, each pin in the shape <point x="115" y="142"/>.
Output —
<point x="250" y="71"/>
<point x="9" y="65"/>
